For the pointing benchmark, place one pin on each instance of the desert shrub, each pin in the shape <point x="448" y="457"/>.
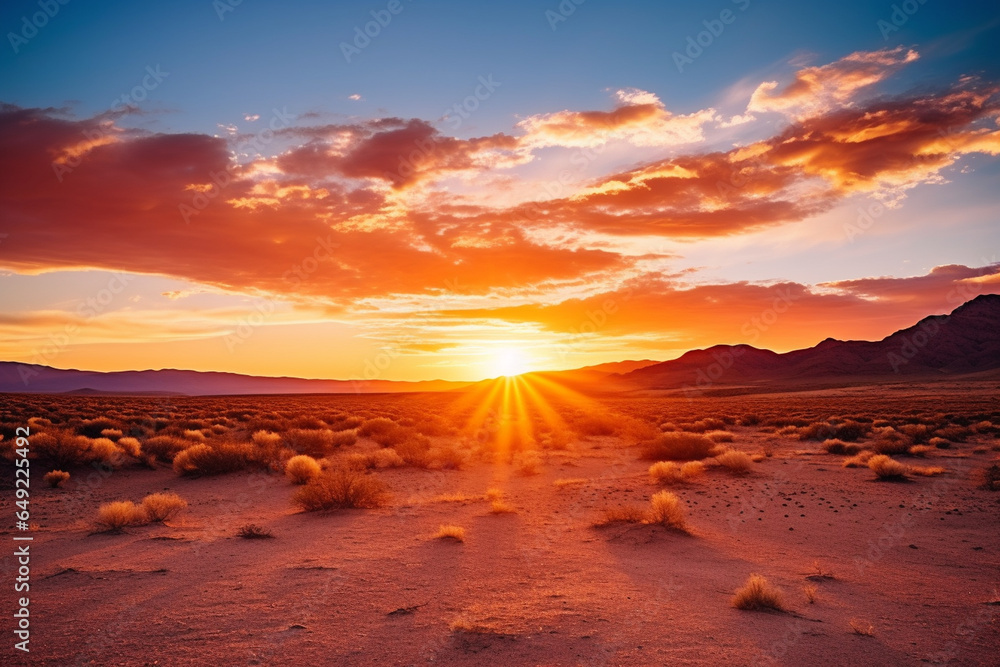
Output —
<point x="720" y="436"/>
<point x="622" y="514"/>
<point x="316" y="442"/>
<point x="595" y="425"/>
<point x="665" y="472"/>
<point x="756" y="594"/>
<point x="191" y="434"/>
<point x="215" y="459"/>
<point x="917" y="433"/>
<point x="840" y="447"/>
<point x="450" y="532"/>
<point x="954" y="433"/>
<point x="887" y="468"/>
<point x="130" y="446"/>
<point x="920" y="450"/>
<point x="415" y="451"/>
<point x="927" y="471"/>
<point x="378" y="459"/>
<point x="377" y="426"/>
<point x="988" y="478"/>
<point x="162" y="506"/>
<point x="93" y="428"/>
<point x="300" y="469"/>
<point x="750" y="420"/>
<point x="501" y="507"/>
<point x="341" y="488"/>
<point x="120" y="514"/>
<point x="165" y="447"/>
<point x="859" y="460"/>
<point x="528" y="463"/>
<point x="890" y="441"/>
<point x="55" y="478"/>
<point x="677" y="446"/>
<point x="666" y="510"/>
<point x="939" y="443"/>
<point x="113" y="433"/>
<point x="735" y="461"/>
<point x="251" y="531"/>
<point x="703" y="425"/>
<point x="692" y="470"/>
<point x="848" y="430"/>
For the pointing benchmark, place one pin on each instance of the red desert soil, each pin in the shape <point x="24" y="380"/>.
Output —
<point x="918" y="562"/>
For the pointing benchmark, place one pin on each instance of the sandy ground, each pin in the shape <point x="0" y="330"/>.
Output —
<point x="917" y="561"/>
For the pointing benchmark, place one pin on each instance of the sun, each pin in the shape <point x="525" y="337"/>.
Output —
<point x="508" y="361"/>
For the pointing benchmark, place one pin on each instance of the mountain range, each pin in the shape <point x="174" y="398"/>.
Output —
<point x="940" y="346"/>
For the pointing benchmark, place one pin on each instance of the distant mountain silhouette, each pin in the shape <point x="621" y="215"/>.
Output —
<point x="17" y="377"/>
<point x="940" y="346"/>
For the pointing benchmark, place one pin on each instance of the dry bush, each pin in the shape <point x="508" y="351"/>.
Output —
<point x="720" y="436"/>
<point x="446" y="458"/>
<point x="266" y="439"/>
<point x="55" y="478"/>
<point x="621" y="514"/>
<point x="735" y="461"/>
<point x="939" y="443"/>
<point x="887" y="468"/>
<point x="501" y="507"/>
<point x="692" y="470"/>
<point x="593" y="425"/>
<point x="119" y="514"/>
<point x="702" y="425"/>
<point x="917" y="433"/>
<point x="191" y="434"/>
<point x="988" y="478"/>
<point x="302" y="468"/>
<point x="927" y="471"/>
<point x="954" y="433"/>
<point x="750" y="420"/>
<point x="341" y="488"/>
<point x="666" y="510"/>
<point x="859" y="460"/>
<point x="665" y="472"/>
<point x="920" y="450"/>
<point x="92" y="428"/>
<point x="130" y="446"/>
<point x="415" y="451"/>
<point x="889" y="441"/>
<point x="528" y="463"/>
<point x="810" y="591"/>
<point x="112" y="433"/>
<point x="215" y="459"/>
<point x="493" y="494"/>
<point x="564" y="482"/>
<point x="162" y="506"/>
<point x="678" y="446"/>
<point x="385" y="432"/>
<point x="66" y="450"/>
<point x="165" y="447"/>
<point x="757" y="594"/>
<point x="251" y="531"/>
<point x="316" y="442"/>
<point x="377" y="460"/>
<point x="450" y="532"/>
<point x="835" y="446"/>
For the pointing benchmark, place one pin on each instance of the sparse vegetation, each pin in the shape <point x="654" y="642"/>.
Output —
<point x="887" y="468"/>
<point x="120" y="514"/>
<point x="56" y="478"/>
<point x="735" y="461"/>
<point x="450" y="532"/>
<point x="302" y="468"/>
<point x="810" y="592"/>
<point x="162" y="506"/>
<point x="341" y="488"/>
<point x="251" y="531"/>
<point x="666" y="510"/>
<point x="758" y="594"/>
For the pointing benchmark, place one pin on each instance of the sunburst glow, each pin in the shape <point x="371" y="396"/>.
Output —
<point x="509" y="361"/>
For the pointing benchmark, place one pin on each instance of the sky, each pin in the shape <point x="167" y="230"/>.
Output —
<point x="415" y="190"/>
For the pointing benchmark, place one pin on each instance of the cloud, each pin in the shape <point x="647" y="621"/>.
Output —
<point x="819" y="89"/>
<point x="640" y="118"/>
